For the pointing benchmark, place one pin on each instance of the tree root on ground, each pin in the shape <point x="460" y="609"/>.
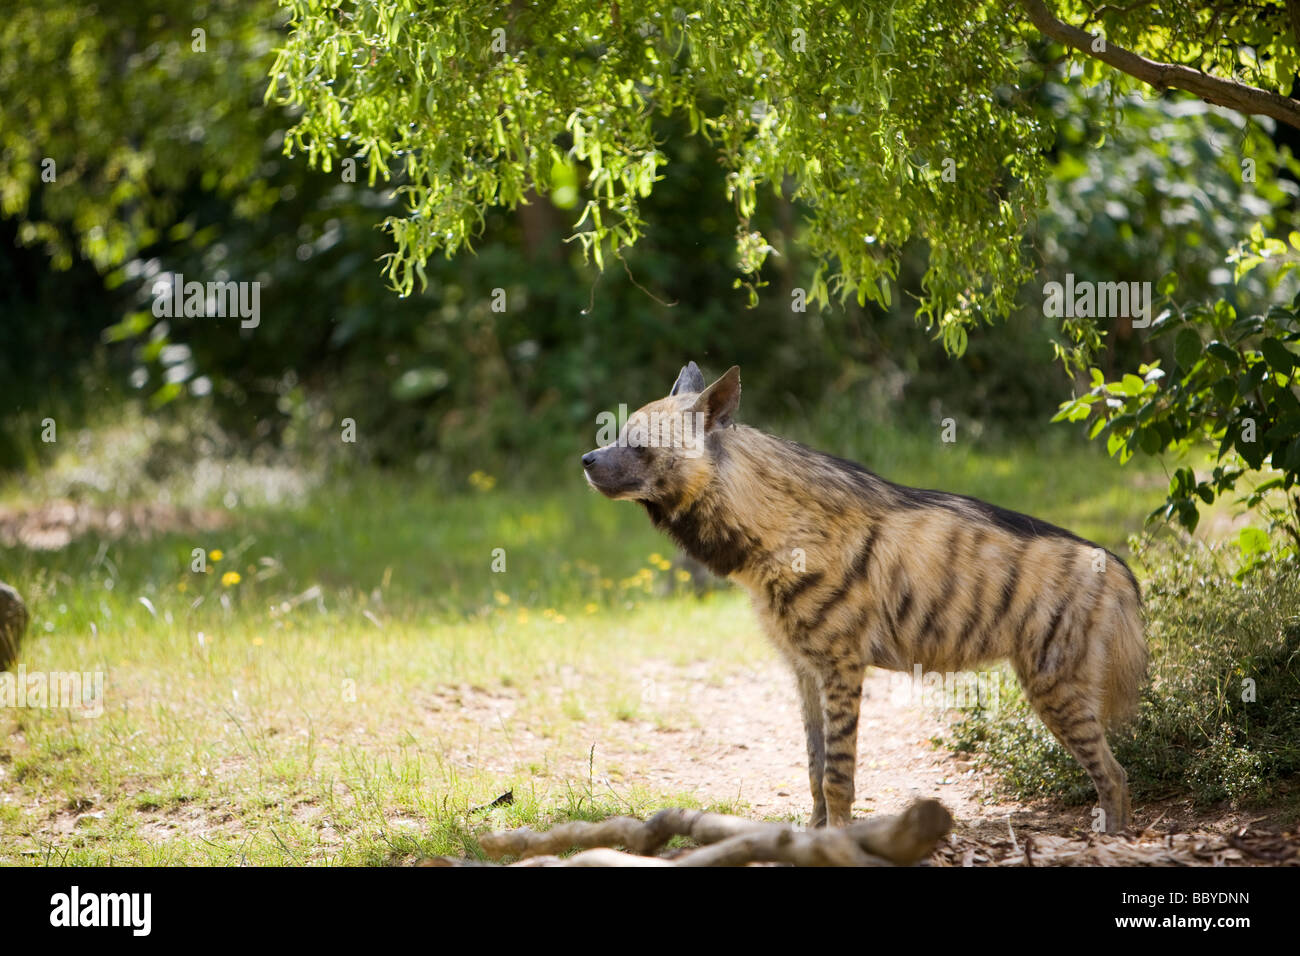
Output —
<point x="725" y="841"/>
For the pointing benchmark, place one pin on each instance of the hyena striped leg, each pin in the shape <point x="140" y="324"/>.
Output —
<point x="841" y="700"/>
<point x="810" y="703"/>
<point x="1069" y="713"/>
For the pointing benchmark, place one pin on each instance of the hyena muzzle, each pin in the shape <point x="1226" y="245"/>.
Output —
<point x="847" y="570"/>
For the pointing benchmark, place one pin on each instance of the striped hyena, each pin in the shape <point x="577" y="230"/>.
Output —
<point x="848" y="570"/>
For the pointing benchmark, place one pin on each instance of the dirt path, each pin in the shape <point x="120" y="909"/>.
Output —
<point x="740" y="738"/>
<point x="747" y="744"/>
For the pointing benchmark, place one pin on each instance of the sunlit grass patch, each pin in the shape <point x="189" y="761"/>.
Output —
<point x="330" y="740"/>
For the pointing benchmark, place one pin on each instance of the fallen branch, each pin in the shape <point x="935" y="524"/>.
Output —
<point x="727" y="841"/>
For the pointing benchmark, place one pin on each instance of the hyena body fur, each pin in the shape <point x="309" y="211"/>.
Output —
<point x="847" y="570"/>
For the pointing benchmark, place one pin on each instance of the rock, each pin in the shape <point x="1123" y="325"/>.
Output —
<point x="13" y="623"/>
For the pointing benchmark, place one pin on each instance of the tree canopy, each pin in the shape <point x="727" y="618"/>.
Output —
<point x="122" y="108"/>
<point x="923" y="159"/>
<point x="892" y="123"/>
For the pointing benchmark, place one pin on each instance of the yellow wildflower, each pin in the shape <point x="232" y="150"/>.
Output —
<point x="482" y="481"/>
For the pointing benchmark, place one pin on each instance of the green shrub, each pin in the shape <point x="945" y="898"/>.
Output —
<point x="1232" y="383"/>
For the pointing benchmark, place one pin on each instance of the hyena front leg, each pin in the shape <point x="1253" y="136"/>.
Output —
<point x="841" y="689"/>
<point x="1070" y="712"/>
<point x="810" y="704"/>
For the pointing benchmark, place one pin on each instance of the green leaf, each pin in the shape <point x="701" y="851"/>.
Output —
<point x="129" y="327"/>
<point x="1253" y="452"/>
<point x="1225" y="353"/>
<point x="1285" y="427"/>
<point x="1187" y="348"/>
<point x="1252" y="542"/>
<point x="167" y="393"/>
<point x="1131" y="385"/>
<point x="1226" y="442"/>
<point x="1249" y="379"/>
<point x="1290" y="458"/>
<point x="1279" y="358"/>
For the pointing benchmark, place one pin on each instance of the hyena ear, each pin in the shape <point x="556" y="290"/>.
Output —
<point x="691" y="379"/>
<point x="720" y="400"/>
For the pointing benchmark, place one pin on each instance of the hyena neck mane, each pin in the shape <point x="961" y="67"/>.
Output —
<point x="766" y="494"/>
<point x="762" y="491"/>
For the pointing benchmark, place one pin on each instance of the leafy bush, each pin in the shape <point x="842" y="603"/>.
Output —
<point x="1232" y="384"/>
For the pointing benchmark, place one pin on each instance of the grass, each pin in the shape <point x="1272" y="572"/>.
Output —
<point x="320" y="737"/>
<point x="350" y="677"/>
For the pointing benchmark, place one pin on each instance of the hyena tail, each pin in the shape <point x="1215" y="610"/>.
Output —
<point x="1126" y="665"/>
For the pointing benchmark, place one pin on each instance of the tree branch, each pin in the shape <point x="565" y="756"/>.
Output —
<point x="1231" y="93"/>
<point x="901" y="840"/>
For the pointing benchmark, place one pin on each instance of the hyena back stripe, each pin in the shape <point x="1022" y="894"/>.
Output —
<point x="847" y="570"/>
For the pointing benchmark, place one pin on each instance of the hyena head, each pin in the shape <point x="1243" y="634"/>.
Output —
<point x="663" y="454"/>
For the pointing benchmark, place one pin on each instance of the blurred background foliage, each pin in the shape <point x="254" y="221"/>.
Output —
<point x="168" y="161"/>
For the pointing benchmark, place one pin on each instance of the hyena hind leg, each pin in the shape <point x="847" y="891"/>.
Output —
<point x="1070" y="713"/>
<point x="810" y="704"/>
